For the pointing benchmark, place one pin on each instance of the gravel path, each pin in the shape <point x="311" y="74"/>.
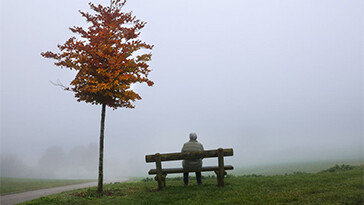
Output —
<point x="30" y="195"/>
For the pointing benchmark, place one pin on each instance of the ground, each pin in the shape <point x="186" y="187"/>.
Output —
<point x="340" y="184"/>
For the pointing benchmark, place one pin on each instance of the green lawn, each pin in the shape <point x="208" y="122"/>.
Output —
<point x="14" y="185"/>
<point x="339" y="185"/>
<point x="289" y="168"/>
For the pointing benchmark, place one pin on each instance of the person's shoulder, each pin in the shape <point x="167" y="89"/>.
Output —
<point x="186" y="144"/>
<point x="197" y="143"/>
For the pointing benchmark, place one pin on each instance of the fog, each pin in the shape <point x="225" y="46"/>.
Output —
<point x="278" y="81"/>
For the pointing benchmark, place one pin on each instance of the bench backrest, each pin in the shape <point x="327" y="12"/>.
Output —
<point x="188" y="155"/>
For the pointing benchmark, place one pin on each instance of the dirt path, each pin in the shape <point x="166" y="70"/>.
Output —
<point x="30" y="195"/>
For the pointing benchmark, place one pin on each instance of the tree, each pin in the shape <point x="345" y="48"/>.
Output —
<point x="104" y="56"/>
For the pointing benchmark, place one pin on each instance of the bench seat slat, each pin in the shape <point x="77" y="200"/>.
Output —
<point x="189" y="155"/>
<point x="181" y="170"/>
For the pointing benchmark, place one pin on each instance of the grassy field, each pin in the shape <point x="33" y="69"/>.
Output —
<point x="14" y="185"/>
<point x="338" y="185"/>
<point x="290" y="168"/>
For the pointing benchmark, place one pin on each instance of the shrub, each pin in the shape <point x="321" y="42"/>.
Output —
<point x="337" y="168"/>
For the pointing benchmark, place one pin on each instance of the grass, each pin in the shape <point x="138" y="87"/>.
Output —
<point x="290" y="168"/>
<point x="15" y="185"/>
<point x="338" y="185"/>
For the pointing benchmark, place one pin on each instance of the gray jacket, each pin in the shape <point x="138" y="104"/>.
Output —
<point x="192" y="146"/>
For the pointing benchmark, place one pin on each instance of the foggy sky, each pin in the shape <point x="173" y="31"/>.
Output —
<point x="277" y="81"/>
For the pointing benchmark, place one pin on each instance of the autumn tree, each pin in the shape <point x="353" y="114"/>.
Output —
<point x="106" y="60"/>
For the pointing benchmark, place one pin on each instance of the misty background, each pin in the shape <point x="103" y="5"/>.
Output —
<point x="278" y="81"/>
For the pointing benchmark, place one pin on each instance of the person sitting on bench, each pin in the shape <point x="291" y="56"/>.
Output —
<point x="192" y="146"/>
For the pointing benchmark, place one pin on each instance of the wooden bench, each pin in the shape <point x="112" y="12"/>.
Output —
<point x="162" y="173"/>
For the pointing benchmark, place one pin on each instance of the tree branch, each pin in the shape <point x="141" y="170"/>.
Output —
<point x="60" y="85"/>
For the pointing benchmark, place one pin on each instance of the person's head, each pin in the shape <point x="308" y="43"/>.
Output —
<point x="193" y="136"/>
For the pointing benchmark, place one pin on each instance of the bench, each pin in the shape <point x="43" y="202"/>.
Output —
<point x="162" y="173"/>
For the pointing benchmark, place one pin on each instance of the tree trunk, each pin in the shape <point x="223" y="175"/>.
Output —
<point x="101" y="152"/>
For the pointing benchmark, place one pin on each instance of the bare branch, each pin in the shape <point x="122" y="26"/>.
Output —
<point x="60" y="85"/>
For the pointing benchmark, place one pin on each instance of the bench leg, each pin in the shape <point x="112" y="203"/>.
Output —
<point x="158" y="164"/>
<point x="161" y="181"/>
<point x="164" y="179"/>
<point x="220" y="178"/>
